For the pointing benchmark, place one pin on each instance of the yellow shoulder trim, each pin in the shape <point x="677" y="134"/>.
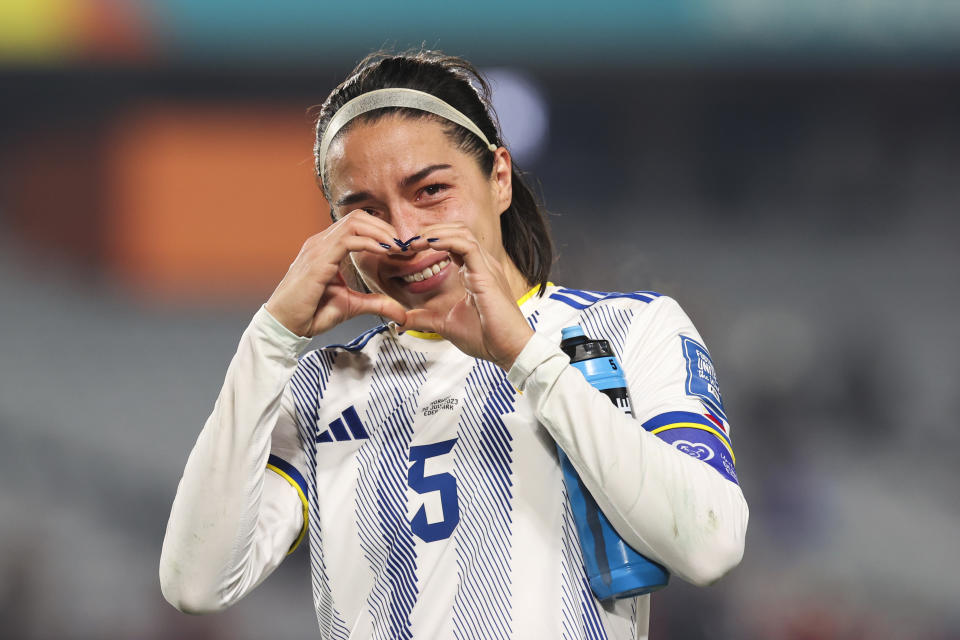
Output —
<point x="303" y="501"/>
<point x="694" y="425"/>
<point x="531" y="293"/>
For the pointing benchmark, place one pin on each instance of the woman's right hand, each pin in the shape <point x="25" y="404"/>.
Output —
<point x="313" y="296"/>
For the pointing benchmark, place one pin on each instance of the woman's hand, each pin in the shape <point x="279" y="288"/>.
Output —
<point x="313" y="296"/>
<point x="486" y="323"/>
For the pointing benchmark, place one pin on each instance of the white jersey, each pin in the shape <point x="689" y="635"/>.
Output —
<point x="435" y="505"/>
<point x="437" y="508"/>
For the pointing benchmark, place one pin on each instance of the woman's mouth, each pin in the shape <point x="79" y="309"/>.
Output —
<point x="429" y="272"/>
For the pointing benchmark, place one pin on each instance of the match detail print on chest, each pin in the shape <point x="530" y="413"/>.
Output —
<point x="397" y="385"/>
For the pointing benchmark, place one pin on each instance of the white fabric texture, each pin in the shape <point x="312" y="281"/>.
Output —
<point x="232" y="522"/>
<point x="354" y="421"/>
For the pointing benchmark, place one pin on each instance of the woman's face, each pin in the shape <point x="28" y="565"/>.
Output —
<point x="408" y="173"/>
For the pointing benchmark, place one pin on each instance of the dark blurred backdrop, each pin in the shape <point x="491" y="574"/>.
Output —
<point x="789" y="174"/>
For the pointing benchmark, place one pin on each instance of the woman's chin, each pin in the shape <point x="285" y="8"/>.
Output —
<point x="440" y="302"/>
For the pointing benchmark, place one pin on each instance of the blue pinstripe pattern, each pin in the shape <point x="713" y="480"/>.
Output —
<point x="612" y="323"/>
<point x="484" y="463"/>
<point x="588" y="611"/>
<point x="308" y="385"/>
<point x="579" y="618"/>
<point x="606" y="322"/>
<point x="533" y="318"/>
<point x="381" y="505"/>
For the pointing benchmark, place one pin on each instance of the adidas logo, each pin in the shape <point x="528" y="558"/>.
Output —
<point x="338" y="431"/>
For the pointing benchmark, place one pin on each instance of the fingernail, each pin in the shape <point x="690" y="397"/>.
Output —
<point x="384" y="245"/>
<point x="399" y="242"/>
<point x="432" y="239"/>
<point x="412" y="239"/>
<point x="404" y="248"/>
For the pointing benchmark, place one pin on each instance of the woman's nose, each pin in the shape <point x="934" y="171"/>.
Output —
<point x="406" y="223"/>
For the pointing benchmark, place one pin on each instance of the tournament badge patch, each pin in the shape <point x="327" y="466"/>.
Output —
<point x="695" y="435"/>
<point x="701" y="376"/>
<point x="705" y="446"/>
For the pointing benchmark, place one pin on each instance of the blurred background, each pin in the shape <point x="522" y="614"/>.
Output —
<point x="788" y="172"/>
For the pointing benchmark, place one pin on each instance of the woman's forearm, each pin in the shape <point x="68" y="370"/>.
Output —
<point x="669" y="506"/>
<point x="232" y="521"/>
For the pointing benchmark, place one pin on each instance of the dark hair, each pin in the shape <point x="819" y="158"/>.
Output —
<point x="523" y="226"/>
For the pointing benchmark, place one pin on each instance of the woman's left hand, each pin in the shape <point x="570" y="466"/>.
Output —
<point x="487" y="322"/>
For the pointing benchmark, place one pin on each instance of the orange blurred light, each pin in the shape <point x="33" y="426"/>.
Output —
<point x="209" y="202"/>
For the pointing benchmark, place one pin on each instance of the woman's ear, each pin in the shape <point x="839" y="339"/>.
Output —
<point x="502" y="178"/>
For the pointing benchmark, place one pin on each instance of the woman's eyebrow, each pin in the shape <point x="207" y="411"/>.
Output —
<point x="413" y="178"/>
<point x="352" y="198"/>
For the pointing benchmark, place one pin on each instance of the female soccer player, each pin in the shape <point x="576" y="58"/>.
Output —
<point x="421" y="458"/>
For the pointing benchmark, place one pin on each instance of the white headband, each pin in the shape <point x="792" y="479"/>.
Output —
<point x="382" y="98"/>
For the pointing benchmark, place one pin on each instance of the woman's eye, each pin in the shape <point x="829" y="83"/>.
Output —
<point x="431" y="190"/>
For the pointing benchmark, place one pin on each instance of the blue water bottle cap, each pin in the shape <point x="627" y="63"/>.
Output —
<point x="571" y="332"/>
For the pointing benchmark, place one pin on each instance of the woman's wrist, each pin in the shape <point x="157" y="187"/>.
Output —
<point x="278" y="333"/>
<point x="513" y="351"/>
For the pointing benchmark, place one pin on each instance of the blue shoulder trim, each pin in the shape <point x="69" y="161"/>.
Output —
<point x="581" y="299"/>
<point x="360" y="341"/>
<point x="289" y="471"/>
<point x="672" y="417"/>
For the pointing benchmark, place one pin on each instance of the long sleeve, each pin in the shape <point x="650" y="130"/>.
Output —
<point x="668" y="505"/>
<point x="233" y="521"/>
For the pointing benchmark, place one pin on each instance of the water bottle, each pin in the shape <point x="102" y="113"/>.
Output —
<point x="614" y="569"/>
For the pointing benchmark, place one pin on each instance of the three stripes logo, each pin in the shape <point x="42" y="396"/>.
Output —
<point x="348" y="420"/>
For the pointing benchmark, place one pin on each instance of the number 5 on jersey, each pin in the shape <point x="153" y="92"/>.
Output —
<point x="445" y="483"/>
